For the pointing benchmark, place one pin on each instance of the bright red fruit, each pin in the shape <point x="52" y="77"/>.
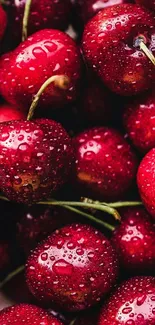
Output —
<point x="38" y="222"/>
<point x="110" y="48"/>
<point x="73" y="268"/>
<point x="139" y="122"/>
<point x="43" y="14"/>
<point x="3" y="22"/>
<point x="105" y="164"/>
<point x="25" y="314"/>
<point x="146" y="181"/>
<point x="9" y="113"/>
<point x="44" y="54"/>
<point x="133" y="303"/>
<point x="149" y="4"/>
<point x="35" y="159"/>
<point x="134" y="240"/>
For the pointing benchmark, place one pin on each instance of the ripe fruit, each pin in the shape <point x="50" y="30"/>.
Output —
<point x="9" y="113"/>
<point x="149" y="4"/>
<point x="43" y="14"/>
<point x="73" y="268"/>
<point x="44" y="54"/>
<point x="134" y="240"/>
<point x="110" y="48"/>
<point x="133" y="303"/>
<point x="139" y="122"/>
<point x="25" y="314"/>
<point x="35" y="159"/>
<point x="3" y="22"/>
<point x="146" y="181"/>
<point x="38" y="222"/>
<point x="105" y="164"/>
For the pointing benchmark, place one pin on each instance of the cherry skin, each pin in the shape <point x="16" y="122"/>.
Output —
<point x="105" y="165"/>
<point x="133" y="303"/>
<point x="110" y="47"/>
<point x="43" y="14"/>
<point x="10" y="113"/>
<point x="3" y="22"/>
<point x="139" y="122"/>
<point x="44" y="54"/>
<point x="146" y="181"/>
<point x="73" y="268"/>
<point x="134" y="240"/>
<point x="25" y="314"/>
<point x="38" y="222"/>
<point x="35" y="159"/>
<point x="149" y="4"/>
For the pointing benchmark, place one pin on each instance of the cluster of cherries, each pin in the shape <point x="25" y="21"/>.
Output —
<point x="77" y="160"/>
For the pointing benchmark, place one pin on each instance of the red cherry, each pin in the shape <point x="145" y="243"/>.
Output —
<point x="35" y="159"/>
<point x="25" y="314"/>
<point x="133" y="303"/>
<point x="9" y="113"/>
<point x="73" y="268"/>
<point x="43" y="14"/>
<point x="146" y="181"/>
<point x="134" y="240"/>
<point x="105" y="164"/>
<point x="3" y="22"/>
<point x="44" y="54"/>
<point x="110" y="48"/>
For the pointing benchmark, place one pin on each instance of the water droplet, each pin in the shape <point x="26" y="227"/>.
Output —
<point x="61" y="267"/>
<point x="4" y="136"/>
<point x="71" y="245"/>
<point x="21" y="137"/>
<point x="44" y="257"/>
<point x="90" y="255"/>
<point x="140" y="300"/>
<point x="80" y="251"/>
<point x="89" y="155"/>
<point x="23" y="147"/>
<point x="127" y="310"/>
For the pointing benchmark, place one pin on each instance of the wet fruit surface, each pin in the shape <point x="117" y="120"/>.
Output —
<point x="105" y="163"/>
<point x="146" y="181"/>
<point x="134" y="240"/>
<point x="26" y="315"/>
<point x="133" y="303"/>
<point x="73" y="268"/>
<point x="9" y="113"/>
<point x="34" y="159"/>
<point x="139" y="122"/>
<point x="44" y="54"/>
<point x="109" y="47"/>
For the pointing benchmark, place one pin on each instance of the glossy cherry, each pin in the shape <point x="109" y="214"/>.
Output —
<point x="44" y="54"/>
<point x="111" y="47"/>
<point x="133" y="303"/>
<point x="25" y="314"/>
<point x="10" y="113"/>
<point x="134" y="240"/>
<point x="105" y="165"/>
<point x="73" y="268"/>
<point x="146" y="181"/>
<point x="35" y="159"/>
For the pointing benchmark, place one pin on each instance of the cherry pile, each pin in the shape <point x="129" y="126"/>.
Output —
<point x="77" y="162"/>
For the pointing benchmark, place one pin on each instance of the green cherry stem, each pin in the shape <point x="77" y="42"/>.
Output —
<point x="26" y="19"/>
<point x="147" y="52"/>
<point x="11" y="275"/>
<point x="60" y="81"/>
<point x="125" y="204"/>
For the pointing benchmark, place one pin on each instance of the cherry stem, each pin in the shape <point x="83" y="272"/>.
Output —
<point x="120" y="204"/>
<point x="91" y="218"/>
<point x="11" y="275"/>
<point x="60" y="81"/>
<point x="26" y="19"/>
<point x="147" y="52"/>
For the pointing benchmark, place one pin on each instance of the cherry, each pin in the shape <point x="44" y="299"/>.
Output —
<point x="43" y="14"/>
<point x="146" y="181"/>
<point x="25" y="314"/>
<point x="150" y="4"/>
<point x="38" y="222"/>
<point x="139" y="122"/>
<point x="9" y="113"/>
<point x="73" y="268"/>
<point x="3" y="22"/>
<point x="105" y="164"/>
<point x="134" y="241"/>
<point x="35" y="159"/>
<point x="42" y="55"/>
<point x="111" y="46"/>
<point x="133" y="303"/>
